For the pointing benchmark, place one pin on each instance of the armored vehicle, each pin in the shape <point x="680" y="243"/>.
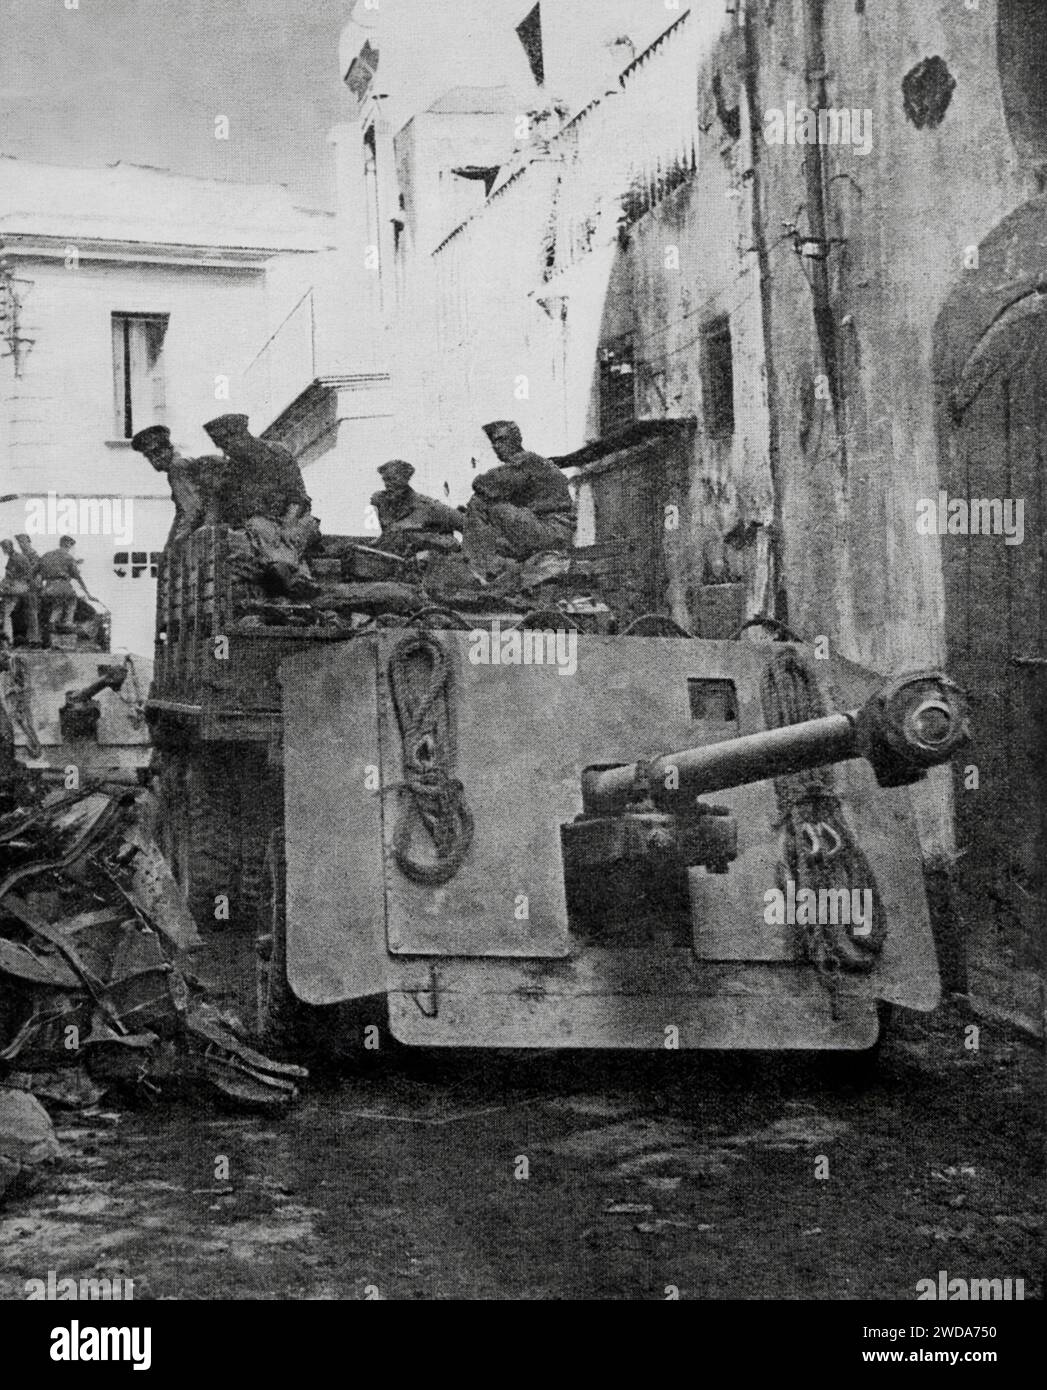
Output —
<point x="77" y="712"/>
<point x="496" y="829"/>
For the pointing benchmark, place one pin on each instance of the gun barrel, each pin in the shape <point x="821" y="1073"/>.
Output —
<point x="112" y="680"/>
<point x="913" y="723"/>
<point x="730" y="763"/>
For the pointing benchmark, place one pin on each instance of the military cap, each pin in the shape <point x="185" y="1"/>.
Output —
<point x="224" y="425"/>
<point x="509" y="427"/>
<point x="397" y="468"/>
<point x="150" y="437"/>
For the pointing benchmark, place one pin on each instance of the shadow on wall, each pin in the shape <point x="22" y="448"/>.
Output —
<point x="1022" y="60"/>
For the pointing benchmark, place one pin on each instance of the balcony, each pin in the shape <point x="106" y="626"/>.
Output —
<point x="615" y="160"/>
<point x="519" y="287"/>
<point x="328" y="338"/>
<point x="287" y="364"/>
<point x="626" y="152"/>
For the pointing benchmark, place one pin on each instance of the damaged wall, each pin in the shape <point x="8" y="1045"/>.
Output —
<point x="948" y="100"/>
<point x="685" y="281"/>
<point x="900" y="217"/>
<point x="929" y="169"/>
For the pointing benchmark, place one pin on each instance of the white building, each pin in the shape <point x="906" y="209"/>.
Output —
<point x="130" y="297"/>
<point x="452" y="101"/>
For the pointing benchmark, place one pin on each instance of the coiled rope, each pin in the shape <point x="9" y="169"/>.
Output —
<point x="430" y="794"/>
<point x="818" y="850"/>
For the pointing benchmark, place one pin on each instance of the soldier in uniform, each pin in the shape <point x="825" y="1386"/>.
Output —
<point x="31" y="568"/>
<point x="260" y="479"/>
<point x="59" y="570"/>
<point x="261" y="493"/>
<point x="190" y="480"/>
<point x="519" y="509"/>
<point x="411" y="522"/>
<point x="17" y="589"/>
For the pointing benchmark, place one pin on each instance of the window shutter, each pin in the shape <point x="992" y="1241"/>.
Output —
<point x="155" y="331"/>
<point x="141" y="399"/>
<point x="139" y="391"/>
<point x="119" y="379"/>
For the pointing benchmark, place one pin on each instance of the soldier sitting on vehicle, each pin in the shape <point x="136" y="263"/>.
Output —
<point x="190" y="480"/>
<point x="58" y="571"/>
<point x="522" y="508"/>
<point x="261" y="493"/>
<point x="412" y="524"/>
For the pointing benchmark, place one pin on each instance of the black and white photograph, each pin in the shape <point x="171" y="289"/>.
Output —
<point x="523" y="676"/>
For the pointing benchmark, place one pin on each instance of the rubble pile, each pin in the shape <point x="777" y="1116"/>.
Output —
<point x="97" y="989"/>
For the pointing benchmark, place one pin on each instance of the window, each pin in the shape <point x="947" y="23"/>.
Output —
<point x="141" y="562"/>
<point x="138" y="372"/>
<point x="712" y="701"/>
<point x="530" y="33"/>
<point x="486" y="173"/>
<point x="617" y="393"/>
<point x="462" y="192"/>
<point x="718" y="378"/>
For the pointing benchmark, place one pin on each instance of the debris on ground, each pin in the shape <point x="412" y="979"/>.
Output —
<point x="27" y="1137"/>
<point x="97" y="989"/>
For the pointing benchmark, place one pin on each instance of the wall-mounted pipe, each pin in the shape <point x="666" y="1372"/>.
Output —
<point x="814" y="175"/>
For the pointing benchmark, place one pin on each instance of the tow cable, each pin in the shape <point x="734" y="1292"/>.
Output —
<point x="430" y="793"/>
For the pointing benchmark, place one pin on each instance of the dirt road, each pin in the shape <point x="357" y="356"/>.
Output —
<point x="566" y="1176"/>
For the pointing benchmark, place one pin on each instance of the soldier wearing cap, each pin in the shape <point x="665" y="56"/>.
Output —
<point x="190" y="480"/>
<point x="260" y="479"/>
<point x="18" y="590"/>
<point x="261" y="492"/>
<point x="521" y="508"/>
<point x="58" y="571"/>
<point x="32" y="600"/>
<point x="411" y="522"/>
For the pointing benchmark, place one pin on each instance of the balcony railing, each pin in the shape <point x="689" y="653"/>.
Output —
<point x="501" y="291"/>
<point x="285" y="366"/>
<point x="628" y="150"/>
<point x="618" y="157"/>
